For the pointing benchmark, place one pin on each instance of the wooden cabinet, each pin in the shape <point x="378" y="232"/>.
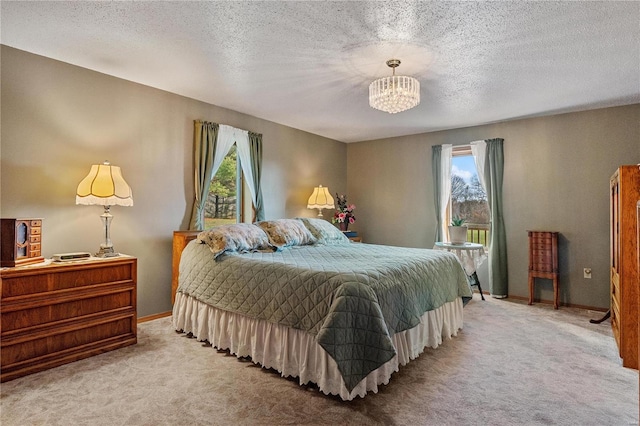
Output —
<point x="180" y="240"/>
<point x="53" y="314"/>
<point x="625" y="279"/>
<point x="543" y="261"/>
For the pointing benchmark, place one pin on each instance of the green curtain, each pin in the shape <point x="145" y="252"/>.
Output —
<point x="493" y="175"/>
<point x="205" y="138"/>
<point x="436" y="164"/>
<point x="255" y="146"/>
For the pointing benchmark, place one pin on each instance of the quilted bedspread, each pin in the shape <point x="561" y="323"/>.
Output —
<point x="352" y="298"/>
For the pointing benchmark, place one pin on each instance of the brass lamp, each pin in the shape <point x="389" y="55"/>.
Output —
<point x="105" y="186"/>
<point x="320" y="199"/>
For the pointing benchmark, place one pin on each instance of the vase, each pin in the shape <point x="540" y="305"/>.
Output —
<point x="458" y="234"/>
<point x="344" y="226"/>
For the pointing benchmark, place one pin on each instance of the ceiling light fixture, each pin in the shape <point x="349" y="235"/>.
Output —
<point x="396" y="93"/>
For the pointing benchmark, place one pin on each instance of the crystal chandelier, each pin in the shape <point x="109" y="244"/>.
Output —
<point x="396" y="93"/>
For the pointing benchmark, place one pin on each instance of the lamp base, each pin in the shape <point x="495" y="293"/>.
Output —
<point x="106" y="248"/>
<point x="107" y="252"/>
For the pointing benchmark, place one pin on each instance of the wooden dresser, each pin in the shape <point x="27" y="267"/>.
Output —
<point x="625" y="279"/>
<point x="53" y="314"/>
<point x="180" y="240"/>
<point x="543" y="261"/>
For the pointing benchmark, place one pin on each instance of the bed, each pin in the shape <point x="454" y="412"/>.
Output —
<point x="295" y="295"/>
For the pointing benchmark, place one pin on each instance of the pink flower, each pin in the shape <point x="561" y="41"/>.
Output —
<point x="344" y="211"/>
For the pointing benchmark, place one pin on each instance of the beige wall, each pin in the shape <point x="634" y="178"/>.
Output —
<point x="58" y="119"/>
<point x="556" y="178"/>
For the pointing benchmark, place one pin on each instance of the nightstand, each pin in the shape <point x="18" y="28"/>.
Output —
<point x="352" y="236"/>
<point x="180" y="241"/>
<point x="56" y="313"/>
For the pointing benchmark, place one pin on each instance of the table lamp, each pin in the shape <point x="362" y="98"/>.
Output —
<point x="104" y="186"/>
<point x="320" y="199"/>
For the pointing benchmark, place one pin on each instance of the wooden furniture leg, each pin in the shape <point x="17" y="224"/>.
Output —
<point x="530" y="289"/>
<point x="555" y="292"/>
<point x="475" y="281"/>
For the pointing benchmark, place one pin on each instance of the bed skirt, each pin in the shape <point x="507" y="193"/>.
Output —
<point x="295" y="353"/>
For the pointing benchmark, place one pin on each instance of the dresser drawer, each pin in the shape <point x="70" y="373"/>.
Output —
<point x="541" y="241"/>
<point x="541" y="236"/>
<point x="542" y="256"/>
<point x="38" y="345"/>
<point x="540" y="246"/>
<point x="16" y="316"/>
<point x="541" y="267"/>
<point x="74" y="276"/>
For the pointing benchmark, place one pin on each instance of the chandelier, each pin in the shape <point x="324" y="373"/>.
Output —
<point x="396" y="93"/>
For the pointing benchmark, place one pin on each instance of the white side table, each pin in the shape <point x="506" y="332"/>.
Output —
<point x="471" y="255"/>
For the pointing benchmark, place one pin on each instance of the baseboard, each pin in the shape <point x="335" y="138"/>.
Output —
<point x="568" y="305"/>
<point x="154" y="316"/>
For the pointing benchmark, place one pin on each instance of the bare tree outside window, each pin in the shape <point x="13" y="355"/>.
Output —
<point x="468" y="199"/>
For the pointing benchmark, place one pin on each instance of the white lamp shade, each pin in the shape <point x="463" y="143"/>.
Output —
<point x="105" y="186"/>
<point x="321" y="199"/>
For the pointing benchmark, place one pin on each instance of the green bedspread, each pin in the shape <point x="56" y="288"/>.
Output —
<point x="352" y="298"/>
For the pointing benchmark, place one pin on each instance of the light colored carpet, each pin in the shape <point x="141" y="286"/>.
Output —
<point x="512" y="364"/>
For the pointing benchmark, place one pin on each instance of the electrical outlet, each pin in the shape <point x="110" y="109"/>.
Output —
<point x="587" y="273"/>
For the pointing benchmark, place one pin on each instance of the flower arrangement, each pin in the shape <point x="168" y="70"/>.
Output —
<point x="344" y="212"/>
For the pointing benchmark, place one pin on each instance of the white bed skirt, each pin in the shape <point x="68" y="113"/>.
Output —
<point x="295" y="353"/>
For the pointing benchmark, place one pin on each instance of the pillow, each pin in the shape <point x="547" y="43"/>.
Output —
<point x="286" y="232"/>
<point x="237" y="237"/>
<point x="324" y="232"/>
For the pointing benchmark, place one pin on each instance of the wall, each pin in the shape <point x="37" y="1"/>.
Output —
<point x="58" y="119"/>
<point x="556" y="178"/>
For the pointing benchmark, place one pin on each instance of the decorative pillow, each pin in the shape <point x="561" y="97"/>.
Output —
<point x="324" y="232"/>
<point x="237" y="237"/>
<point x="286" y="232"/>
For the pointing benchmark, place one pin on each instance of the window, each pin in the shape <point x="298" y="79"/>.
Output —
<point x="224" y="203"/>
<point x="468" y="198"/>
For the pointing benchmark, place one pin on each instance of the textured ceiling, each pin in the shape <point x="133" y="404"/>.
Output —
<point x="308" y="64"/>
